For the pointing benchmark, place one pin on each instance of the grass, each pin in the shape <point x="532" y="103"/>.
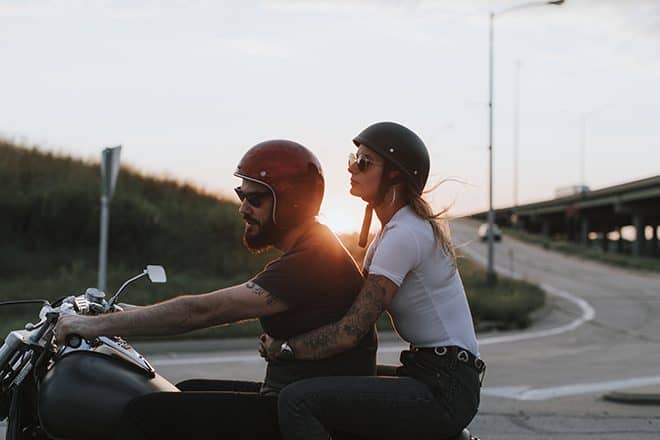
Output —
<point x="619" y="260"/>
<point x="504" y="306"/>
<point x="75" y="278"/>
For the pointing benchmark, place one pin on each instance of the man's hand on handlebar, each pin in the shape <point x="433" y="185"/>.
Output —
<point x="82" y="326"/>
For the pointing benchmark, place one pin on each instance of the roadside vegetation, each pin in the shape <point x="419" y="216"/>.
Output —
<point x="49" y="239"/>
<point x="50" y="227"/>
<point x="509" y="304"/>
<point x="588" y="253"/>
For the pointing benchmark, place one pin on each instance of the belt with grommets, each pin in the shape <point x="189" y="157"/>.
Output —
<point x="454" y="352"/>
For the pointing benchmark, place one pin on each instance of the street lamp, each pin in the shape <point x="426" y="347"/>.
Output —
<point x="490" y="274"/>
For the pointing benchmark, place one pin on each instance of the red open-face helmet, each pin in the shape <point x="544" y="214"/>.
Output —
<point x="292" y="174"/>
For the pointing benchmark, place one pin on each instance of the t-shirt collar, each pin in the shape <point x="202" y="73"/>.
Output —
<point x="404" y="210"/>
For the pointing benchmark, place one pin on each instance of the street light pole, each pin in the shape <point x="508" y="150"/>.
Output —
<point x="491" y="278"/>
<point x="490" y="274"/>
<point x="583" y="129"/>
<point x="516" y="134"/>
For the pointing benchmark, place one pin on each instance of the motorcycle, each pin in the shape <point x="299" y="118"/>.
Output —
<point x="78" y="390"/>
<point x="50" y="392"/>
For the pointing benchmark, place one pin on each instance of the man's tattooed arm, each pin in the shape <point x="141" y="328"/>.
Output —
<point x="331" y="339"/>
<point x="270" y="298"/>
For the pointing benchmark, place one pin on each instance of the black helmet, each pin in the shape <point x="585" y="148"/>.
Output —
<point x="400" y="146"/>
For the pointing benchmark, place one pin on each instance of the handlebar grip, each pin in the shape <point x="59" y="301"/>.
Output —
<point x="73" y="341"/>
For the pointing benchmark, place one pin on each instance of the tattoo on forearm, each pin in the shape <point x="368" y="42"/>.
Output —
<point x="317" y="341"/>
<point x="258" y="290"/>
<point x="368" y="306"/>
<point x="168" y="317"/>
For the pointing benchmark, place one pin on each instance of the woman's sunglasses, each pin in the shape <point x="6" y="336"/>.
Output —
<point x="254" y="198"/>
<point x="361" y="162"/>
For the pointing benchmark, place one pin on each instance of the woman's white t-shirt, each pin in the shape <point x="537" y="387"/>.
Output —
<point x="430" y="308"/>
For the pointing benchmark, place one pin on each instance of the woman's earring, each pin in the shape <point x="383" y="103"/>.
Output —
<point x="393" y="197"/>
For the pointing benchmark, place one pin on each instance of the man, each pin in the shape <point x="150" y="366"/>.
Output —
<point x="313" y="283"/>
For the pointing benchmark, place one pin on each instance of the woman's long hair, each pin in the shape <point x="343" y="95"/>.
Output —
<point x="438" y="220"/>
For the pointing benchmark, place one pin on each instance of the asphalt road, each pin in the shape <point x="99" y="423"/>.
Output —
<point x="598" y="334"/>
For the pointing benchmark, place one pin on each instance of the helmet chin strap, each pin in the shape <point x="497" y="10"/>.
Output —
<point x="366" y="225"/>
<point x="386" y="182"/>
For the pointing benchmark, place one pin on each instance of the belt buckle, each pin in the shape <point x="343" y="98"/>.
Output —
<point x="440" y="351"/>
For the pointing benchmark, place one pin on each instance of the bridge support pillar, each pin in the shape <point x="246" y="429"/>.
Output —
<point x="572" y="230"/>
<point x="640" y="236"/>
<point x="619" y="242"/>
<point x="605" y="242"/>
<point x="584" y="231"/>
<point x="545" y="229"/>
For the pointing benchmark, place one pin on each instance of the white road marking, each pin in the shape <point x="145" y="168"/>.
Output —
<point x="528" y="393"/>
<point x="220" y="359"/>
<point x="587" y="312"/>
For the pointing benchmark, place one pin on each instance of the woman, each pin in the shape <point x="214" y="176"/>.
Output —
<point x="411" y="273"/>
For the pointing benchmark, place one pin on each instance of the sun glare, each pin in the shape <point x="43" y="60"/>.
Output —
<point x="342" y="213"/>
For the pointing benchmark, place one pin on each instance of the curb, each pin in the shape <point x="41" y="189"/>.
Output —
<point x="634" y="397"/>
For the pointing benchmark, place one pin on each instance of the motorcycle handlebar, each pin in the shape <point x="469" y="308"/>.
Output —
<point x="73" y="341"/>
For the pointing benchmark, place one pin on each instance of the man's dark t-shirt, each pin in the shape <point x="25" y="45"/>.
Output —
<point x="318" y="280"/>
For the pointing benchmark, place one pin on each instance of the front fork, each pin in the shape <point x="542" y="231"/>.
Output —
<point x="23" y="421"/>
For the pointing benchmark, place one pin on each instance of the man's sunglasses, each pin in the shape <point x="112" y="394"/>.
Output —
<point x="361" y="162"/>
<point x="254" y="198"/>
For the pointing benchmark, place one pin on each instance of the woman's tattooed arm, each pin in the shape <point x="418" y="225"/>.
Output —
<point x="331" y="339"/>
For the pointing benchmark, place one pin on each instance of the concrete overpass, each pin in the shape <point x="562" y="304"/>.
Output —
<point x="601" y="217"/>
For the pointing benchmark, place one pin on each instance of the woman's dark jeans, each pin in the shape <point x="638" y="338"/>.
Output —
<point x="380" y="407"/>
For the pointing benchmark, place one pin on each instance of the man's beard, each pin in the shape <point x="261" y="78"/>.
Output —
<point x="262" y="241"/>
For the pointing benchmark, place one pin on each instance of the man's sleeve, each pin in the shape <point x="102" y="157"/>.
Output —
<point x="396" y="255"/>
<point x="287" y="277"/>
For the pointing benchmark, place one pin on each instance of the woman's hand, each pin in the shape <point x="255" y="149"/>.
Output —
<point x="269" y="347"/>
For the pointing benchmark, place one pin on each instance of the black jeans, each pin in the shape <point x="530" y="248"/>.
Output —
<point x="379" y="407"/>
<point x="204" y="409"/>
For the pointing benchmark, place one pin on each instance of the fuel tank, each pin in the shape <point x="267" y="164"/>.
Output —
<point x="85" y="391"/>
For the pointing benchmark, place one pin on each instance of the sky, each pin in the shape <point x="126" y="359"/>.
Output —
<point x="186" y="87"/>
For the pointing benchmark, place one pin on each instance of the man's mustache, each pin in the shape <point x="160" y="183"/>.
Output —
<point x="250" y="220"/>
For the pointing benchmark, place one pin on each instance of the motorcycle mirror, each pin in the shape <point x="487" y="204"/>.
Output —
<point x="156" y="274"/>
